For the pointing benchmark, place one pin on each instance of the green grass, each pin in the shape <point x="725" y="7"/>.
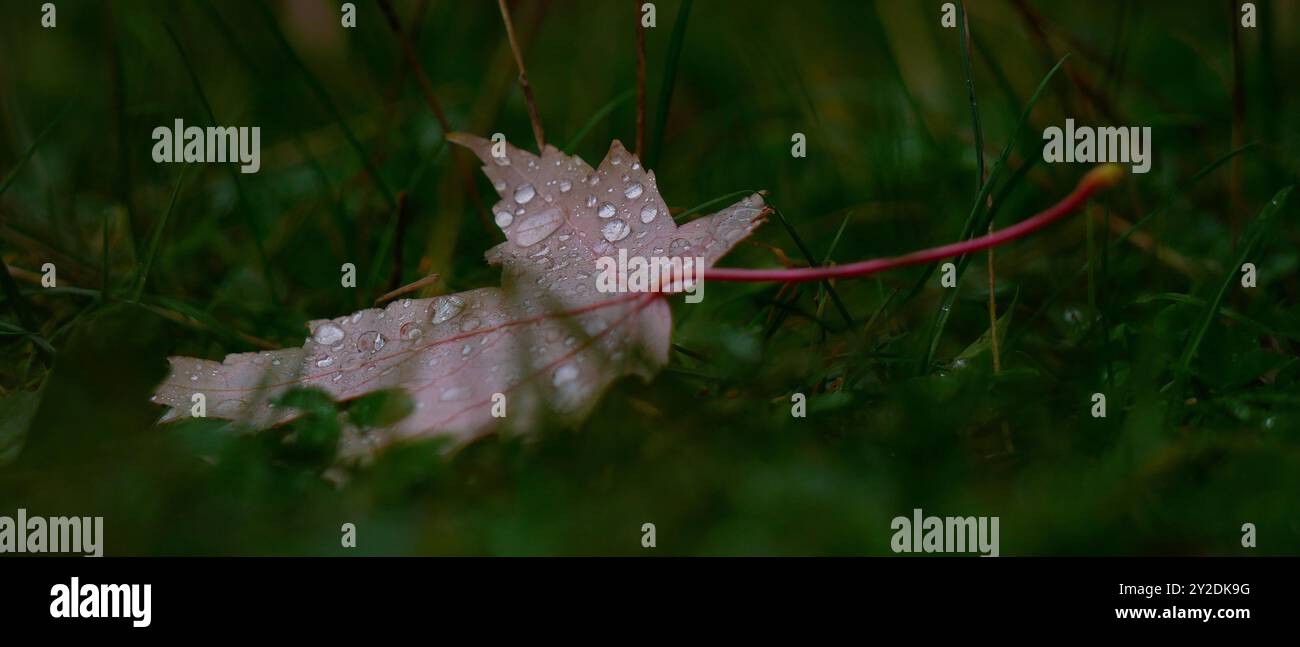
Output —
<point x="904" y="409"/>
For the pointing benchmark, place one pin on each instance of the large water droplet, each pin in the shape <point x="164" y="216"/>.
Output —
<point x="524" y="193"/>
<point x="537" y="227"/>
<point x="633" y="190"/>
<point x="648" y="213"/>
<point x="606" y="210"/>
<point x="327" y="334"/>
<point x="566" y="373"/>
<point x="615" y="230"/>
<point x="447" y="308"/>
<point x="411" y="330"/>
<point x="370" y="341"/>
<point x="504" y="218"/>
<point x="325" y="361"/>
<point x="565" y="185"/>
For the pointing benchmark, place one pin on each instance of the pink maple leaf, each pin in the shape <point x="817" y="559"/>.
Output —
<point x="545" y="342"/>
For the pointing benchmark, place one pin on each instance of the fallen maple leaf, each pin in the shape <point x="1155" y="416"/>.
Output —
<point x="547" y="341"/>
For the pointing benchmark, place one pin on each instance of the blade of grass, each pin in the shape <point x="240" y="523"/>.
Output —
<point x="14" y="296"/>
<point x="1118" y="242"/>
<point x="876" y="33"/>
<point x="154" y="240"/>
<point x="324" y="97"/>
<point x="31" y="150"/>
<point x="950" y="296"/>
<point x="104" y="291"/>
<point x="386" y="243"/>
<point x="807" y="254"/>
<point x="1186" y="299"/>
<point x="8" y="329"/>
<point x="675" y="43"/>
<point x="964" y="47"/>
<point x="18" y="303"/>
<point x="596" y="118"/>
<point x="826" y="260"/>
<point x="969" y="228"/>
<point x="974" y="222"/>
<point x="249" y="218"/>
<point x="124" y="179"/>
<point x="640" y="79"/>
<point x="963" y="34"/>
<point x="1254" y="234"/>
<point x="1106" y="305"/>
<point x="422" y="79"/>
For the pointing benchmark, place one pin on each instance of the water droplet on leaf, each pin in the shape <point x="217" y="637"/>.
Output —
<point x="524" y="193"/>
<point x="327" y="334"/>
<point x="615" y="230"/>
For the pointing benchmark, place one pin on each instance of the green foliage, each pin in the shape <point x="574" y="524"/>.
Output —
<point x="1201" y="375"/>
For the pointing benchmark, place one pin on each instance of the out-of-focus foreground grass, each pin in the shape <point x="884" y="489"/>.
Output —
<point x="905" y="409"/>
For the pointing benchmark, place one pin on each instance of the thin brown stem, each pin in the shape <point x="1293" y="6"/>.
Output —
<point x="406" y="289"/>
<point x="640" y="80"/>
<point x="523" y="77"/>
<point x="408" y="51"/>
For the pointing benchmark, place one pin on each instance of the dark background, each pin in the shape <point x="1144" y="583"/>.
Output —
<point x="903" y="412"/>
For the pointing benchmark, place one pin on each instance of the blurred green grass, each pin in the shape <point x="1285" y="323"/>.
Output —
<point x="708" y="450"/>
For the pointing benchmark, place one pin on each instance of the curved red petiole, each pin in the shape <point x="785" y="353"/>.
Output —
<point x="1102" y="177"/>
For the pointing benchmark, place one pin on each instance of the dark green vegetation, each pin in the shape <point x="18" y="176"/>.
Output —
<point x="905" y="409"/>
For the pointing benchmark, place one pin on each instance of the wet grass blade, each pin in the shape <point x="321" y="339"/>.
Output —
<point x="596" y="118"/>
<point x="974" y="221"/>
<point x="675" y="44"/>
<point x="1254" y="234"/>
<point x="154" y="240"/>
<point x="830" y="251"/>
<point x="807" y="254"/>
<point x="31" y="150"/>
<point x="1185" y="299"/>
<point x="13" y="295"/>
<point x="998" y="165"/>
<point x="324" y="97"/>
<point x="1114" y="245"/>
<point x="950" y="296"/>
<point x="250" y="220"/>
<point x="963" y="35"/>
<point x="876" y="33"/>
